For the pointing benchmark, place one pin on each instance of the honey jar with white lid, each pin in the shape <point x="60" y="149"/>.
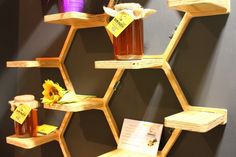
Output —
<point x="29" y="127"/>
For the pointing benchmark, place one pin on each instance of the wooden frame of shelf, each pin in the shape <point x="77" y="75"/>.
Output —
<point x="193" y="118"/>
<point x="75" y="20"/>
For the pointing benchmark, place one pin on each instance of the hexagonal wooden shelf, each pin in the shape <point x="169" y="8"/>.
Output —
<point x="197" y="119"/>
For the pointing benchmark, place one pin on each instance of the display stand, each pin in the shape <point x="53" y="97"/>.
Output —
<point x="193" y="118"/>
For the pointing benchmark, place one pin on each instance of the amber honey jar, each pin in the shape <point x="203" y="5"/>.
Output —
<point x="29" y="127"/>
<point x="129" y="44"/>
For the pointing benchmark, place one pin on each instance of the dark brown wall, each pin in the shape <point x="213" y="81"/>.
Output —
<point x="203" y="63"/>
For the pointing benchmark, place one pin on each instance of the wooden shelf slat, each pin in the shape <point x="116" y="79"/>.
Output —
<point x="201" y="7"/>
<point x="31" y="142"/>
<point x="129" y="64"/>
<point x="88" y="104"/>
<point x="77" y="19"/>
<point x="33" y="64"/>
<point x="197" y="121"/>
<point x="123" y="152"/>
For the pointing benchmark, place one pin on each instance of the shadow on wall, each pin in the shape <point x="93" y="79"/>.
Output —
<point x="98" y="45"/>
<point x="195" y="53"/>
<point x="95" y="6"/>
<point x="192" y="61"/>
<point x="8" y="40"/>
<point x="8" y="31"/>
<point x="30" y="16"/>
<point x="46" y="5"/>
<point x="196" y="144"/>
<point x="89" y="129"/>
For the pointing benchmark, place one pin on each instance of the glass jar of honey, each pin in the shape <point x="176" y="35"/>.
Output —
<point x="129" y="44"/>
<point x="29" y="127"/>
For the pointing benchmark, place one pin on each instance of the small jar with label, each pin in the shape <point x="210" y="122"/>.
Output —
<point x="29" y="127"/>
<point x="129" y="44"/>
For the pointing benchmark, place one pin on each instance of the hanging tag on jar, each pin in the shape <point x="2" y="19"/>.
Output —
<point x="20" y="113"/>
<point x="119" y="23"/>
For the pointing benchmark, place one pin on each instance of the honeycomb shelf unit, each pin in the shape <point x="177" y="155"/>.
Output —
<point x="75" y="21"/>
<point x="193" y="118"/>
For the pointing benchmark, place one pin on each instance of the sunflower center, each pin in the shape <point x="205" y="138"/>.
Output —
<point x="53" y="91"/>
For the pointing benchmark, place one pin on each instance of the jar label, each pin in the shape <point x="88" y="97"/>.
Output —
<point x="20" y="113"/>
<point x="119" y="23"/>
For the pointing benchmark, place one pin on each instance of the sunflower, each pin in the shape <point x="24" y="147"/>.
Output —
<point x="52" y="92"/>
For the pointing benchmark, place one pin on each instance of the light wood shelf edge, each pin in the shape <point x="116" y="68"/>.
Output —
<point x="37" y="63"/>
<point x="77" y="19"/>
<point x="88" y="104"/>
<point x="123" y="153"/>
<point x="213" y="110"/>
<point x="196" y="121"/>
<point x="31" y="142"/>
<point x="129" y="64"/>
<point x="199" y="8"/>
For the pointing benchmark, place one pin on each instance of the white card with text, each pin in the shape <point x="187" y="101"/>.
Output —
<point x="140" y="136"/>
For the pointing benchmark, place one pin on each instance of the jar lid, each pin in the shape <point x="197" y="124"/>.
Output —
<point x="135" y="10"/>
<point x="129" y="6"/>
<point x="26" y="99"/>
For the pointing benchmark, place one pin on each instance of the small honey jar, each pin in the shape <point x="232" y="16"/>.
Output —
<point x="29" y="127"/>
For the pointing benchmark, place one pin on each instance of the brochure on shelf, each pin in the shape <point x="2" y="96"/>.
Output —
<point x="138" y="137"/>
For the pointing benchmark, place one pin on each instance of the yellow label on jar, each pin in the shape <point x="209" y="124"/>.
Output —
<point x="20" y="113"/>
<point x="119" y="23"/>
